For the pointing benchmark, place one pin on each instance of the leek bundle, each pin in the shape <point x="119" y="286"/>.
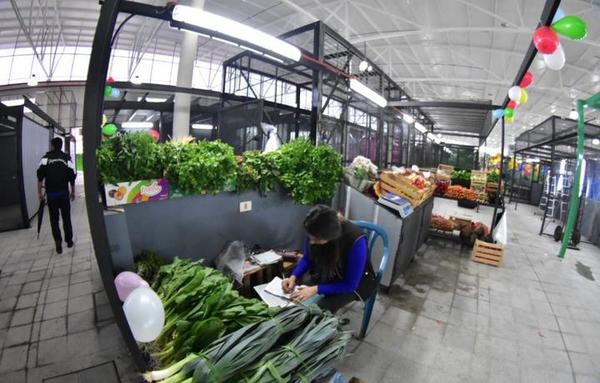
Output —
<point x="275" y="365"/>
<point x="227" y="356"/>
<point x="321" y="363"/>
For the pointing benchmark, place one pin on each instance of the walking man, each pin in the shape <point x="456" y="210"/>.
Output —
<point x="57" y="171"/>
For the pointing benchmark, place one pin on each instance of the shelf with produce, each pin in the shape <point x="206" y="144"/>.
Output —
<point x="211" y="333"/>
<point x="135" y="168"/>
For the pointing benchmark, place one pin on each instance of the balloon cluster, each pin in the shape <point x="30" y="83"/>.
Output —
<point x="547" y="42"/>
<point x="111" y="91"/>
<point x="143" y="309"/>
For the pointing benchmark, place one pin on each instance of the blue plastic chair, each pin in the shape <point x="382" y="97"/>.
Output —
<point x="373" y="232"/>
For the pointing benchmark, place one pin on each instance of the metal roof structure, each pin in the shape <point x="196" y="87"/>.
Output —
<point x="436" y="50"/>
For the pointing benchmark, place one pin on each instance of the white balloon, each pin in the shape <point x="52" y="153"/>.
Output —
<point x="514" y="93"/>
<point x="556" y="60"/>
<point x="145" y="314"/>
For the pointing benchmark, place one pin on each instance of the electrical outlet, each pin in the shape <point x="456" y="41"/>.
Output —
<point x="245" y="206"/>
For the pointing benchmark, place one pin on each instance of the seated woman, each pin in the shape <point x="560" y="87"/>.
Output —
<point x="335" y="257"/>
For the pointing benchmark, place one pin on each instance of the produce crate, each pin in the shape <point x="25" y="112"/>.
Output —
<point x="460" y="222"/>
<point x="488" y="253"/>
<point x="446" y="168"/>
<point x="467" y="203"/>
<point x="403" y="185"/>
<point x="479" y="176"/>
<point x="390" y="189"/>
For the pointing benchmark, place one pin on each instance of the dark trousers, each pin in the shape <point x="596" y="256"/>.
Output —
<point x="60" y="205"/>
<point x="335" y="302"/>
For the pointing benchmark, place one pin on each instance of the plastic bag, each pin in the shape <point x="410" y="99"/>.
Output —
<point x="231" y="260"/>
<point x="273" y="141"/>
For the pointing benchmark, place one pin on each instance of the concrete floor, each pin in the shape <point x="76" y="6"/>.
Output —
<point x="534" y="319"/>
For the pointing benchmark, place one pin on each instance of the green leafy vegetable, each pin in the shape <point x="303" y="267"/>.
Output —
<point x="199" y="168"/>
<point x="309" y="173"/>
<point x="493" y="176"/>
<point x="147" y="265"/>
<point x="461" y="175"/>
<point x="256" y="172"/>
<point x="129" y="157"/>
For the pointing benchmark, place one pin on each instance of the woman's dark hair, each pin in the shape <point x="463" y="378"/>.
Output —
<point x="322" y="222"/>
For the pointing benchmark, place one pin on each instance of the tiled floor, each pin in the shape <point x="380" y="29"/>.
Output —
<point x="535" y="319"/>
<point x="54" y="316"/>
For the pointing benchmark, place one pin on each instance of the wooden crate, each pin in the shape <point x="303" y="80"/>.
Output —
<point x="488" y="253"/>
<point x="460" y="222"/>
<point x="403" y="185"/>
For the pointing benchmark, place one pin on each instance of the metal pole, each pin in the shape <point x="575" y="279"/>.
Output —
<point x="317" y="85"/>
<point x="500" y="193"/>
<point x="574" y="204"/>
<point x="92" y="118"/>
<point x="512" y="178"/>
<point x="549" y="182"/>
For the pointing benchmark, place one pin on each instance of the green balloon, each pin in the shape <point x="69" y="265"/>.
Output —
<point x="109" y="130"/>
<point x="509" y="113"/>
<point x="107" y="90"/>
<point x="571" y="26"/>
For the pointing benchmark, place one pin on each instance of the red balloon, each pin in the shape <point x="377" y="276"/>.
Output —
<point x="545" y="40"/>
<point x="512" y="104"/>
<point x="154" y="134"/>
<point x="110" y="80"/>
<point x="527" y="80"/>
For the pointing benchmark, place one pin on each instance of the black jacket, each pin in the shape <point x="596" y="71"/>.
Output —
<point x="57" y="170"/>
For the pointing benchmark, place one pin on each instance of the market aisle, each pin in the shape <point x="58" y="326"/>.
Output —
<point x="54" y="315"/>
<point x="534" y="319"/>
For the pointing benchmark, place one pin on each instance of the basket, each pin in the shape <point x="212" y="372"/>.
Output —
<point x="403" y="185"/>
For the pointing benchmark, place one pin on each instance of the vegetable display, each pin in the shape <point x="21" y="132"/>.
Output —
<point x="464" y="175"/>
<point x="256" y="171"/>
<point x="441" y="223"/>
<point x="199" y="168"/>
<point x="459" y="192"/>
<point x="363" y="168"/>
<point x="309" y="173"/>
<point x="147" y="265"/>
<point x="200" y="306"/>
<point x="129" y="157"/>
<point x="493" y="176"/>
<point x="262" y="352"/>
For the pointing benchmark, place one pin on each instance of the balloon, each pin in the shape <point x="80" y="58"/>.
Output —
<point x="115" y="92"/>
<point x="545" y="40"/>
<point x="154" y="134"/>
<point x="524" y="97"/>
<point x="509" y="113"/>
<point x="108" y="90"/>
<point x="558" y="15"/>
<point x="498" y="113"/>
<point x="571" y="26"/>
<point x="145" y="314"/>
<point x="509" y="120"/>
<point x="512" y="105"/>
<point x="126" y="282"/>
<point x="514" y="93"/>
<point x="527" y="80"/>
<point x="104" y="119"/>
<point x="109" y="130"/>
<point x="556" y="61"/>
<point x="110" y="80"/>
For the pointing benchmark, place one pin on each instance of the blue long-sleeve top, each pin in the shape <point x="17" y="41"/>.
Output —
<point x="355" y="267"/>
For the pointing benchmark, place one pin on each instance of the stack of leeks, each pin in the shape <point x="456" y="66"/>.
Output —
<point x="200" y="307"/>
<point x="299" y="354"/>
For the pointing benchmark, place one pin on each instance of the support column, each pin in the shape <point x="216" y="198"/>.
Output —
<point x="187" y="55"/>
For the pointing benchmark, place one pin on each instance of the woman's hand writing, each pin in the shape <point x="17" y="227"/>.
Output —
<point x="289" y="284"/>
<point x="304" y="293"/>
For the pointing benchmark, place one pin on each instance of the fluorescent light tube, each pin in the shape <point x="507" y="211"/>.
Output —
<point x="16" y="102"/>
<point x="202" y="127"/>
<point x="137" y="125"/>
<point x="420" y="127"/>
<point x="367" y="92"/>
<point x="212" y="22"/>
<point x="152" y="99"/>
<point x="408" y="118"/>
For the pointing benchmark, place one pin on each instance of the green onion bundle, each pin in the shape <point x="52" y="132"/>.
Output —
<point x="281" y="362"/>
<point x="226" y="357"/>
<point x="321" y="363"/>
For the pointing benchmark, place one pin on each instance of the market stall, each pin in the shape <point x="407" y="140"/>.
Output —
<point x="554" y="142"/>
